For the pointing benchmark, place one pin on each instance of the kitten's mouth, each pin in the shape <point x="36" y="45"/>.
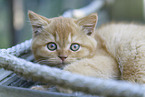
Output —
<point x="64" y="63"/>
<point x="61" y="65"/>
<point x="55" y="63"/>
<point x="58" y="64"/>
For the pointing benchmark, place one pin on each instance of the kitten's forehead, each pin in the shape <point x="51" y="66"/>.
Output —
<point x="67" y="37"/>
<point x="63" y="39"/>
<point x="63" y="25"/>
<point x="63" y="29"/>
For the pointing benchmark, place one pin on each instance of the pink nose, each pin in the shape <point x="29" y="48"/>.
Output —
<point x="62" y="57"/>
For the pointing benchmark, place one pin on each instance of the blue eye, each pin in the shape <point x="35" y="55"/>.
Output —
<point x="51" y="46"/>
<point x="74" y="47"/>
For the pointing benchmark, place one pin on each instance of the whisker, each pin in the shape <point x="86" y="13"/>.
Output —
<point x="41" y="59"/>
<point x="50" y="63"/>
<point x="46" y="60"/>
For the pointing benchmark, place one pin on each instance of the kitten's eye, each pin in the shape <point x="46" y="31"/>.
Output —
<point x="74" y="47"/>
<point x="51" y="46"/>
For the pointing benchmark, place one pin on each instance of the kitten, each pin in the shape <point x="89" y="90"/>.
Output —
<point x="73" y="45"/>
<point x="111" y="52"/>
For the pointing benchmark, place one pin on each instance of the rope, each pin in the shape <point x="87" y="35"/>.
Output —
<point x="76" y="82"/>
<point x="18" y="49"/>
<point x="46" y="74"/>
<point x="94" y="6"/>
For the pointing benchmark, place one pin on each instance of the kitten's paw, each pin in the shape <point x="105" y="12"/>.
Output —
<point x="64" y="90"/>
<point x="39" y="87"/>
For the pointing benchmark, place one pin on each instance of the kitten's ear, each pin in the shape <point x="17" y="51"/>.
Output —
<point x="37" y="21"/>
<point x="88" y="23"/>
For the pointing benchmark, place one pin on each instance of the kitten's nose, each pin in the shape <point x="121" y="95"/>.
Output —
<point x="62" y="57"/>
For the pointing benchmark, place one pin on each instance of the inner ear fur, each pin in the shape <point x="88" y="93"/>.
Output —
<point x="37" y="21"/>
<point x="88" y="23"/>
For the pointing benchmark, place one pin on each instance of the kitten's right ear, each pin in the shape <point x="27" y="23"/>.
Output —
<point x="37" y="21"/>
<point x="88" y="23"/>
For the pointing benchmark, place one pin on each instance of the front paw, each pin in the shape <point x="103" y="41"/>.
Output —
<point x="63" y="90"/>
<point x="39" y="87"/>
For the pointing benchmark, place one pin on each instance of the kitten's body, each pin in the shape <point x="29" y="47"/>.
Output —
<point x="126" y="43"/>
<point x="114" y="51"/>
<point x="101" y="65"/>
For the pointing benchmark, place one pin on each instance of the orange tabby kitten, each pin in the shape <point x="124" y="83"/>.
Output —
<point x="75" y="46"/>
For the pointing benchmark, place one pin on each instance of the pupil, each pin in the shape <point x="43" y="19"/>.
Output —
<point x="52" y="45"/>
<point x="75" y="46"/>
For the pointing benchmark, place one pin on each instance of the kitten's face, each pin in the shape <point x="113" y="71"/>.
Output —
<point x="59" y="41"/>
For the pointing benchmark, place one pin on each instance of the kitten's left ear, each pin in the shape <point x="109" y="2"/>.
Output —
<point x="37" y="21"/>
<point x="88" y="23"/>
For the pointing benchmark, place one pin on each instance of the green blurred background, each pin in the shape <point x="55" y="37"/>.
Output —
<point x="15" y="26"/>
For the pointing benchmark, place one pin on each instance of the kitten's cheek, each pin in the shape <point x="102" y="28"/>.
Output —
<point x="83" y="53"/>
<point x="68" y="61"/>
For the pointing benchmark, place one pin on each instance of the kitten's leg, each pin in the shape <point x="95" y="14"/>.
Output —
<point x="40" y="87"/>
<point x="99" y="66"/>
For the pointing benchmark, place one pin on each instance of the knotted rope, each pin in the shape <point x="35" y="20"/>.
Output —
<point x="10" y="61"/>
<point x="18" y="49"/>
<point x="66" y="79"/>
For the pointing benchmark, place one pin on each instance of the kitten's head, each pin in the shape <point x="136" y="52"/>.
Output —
<point x="59" y="41"/>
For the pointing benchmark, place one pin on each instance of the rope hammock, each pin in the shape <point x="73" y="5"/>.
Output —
<point x="9" y="59"/>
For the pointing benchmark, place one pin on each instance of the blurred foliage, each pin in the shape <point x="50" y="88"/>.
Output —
<point x="48" y="8"/>
<point x="132" y="10"/>
<point x="4" y="31"/>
